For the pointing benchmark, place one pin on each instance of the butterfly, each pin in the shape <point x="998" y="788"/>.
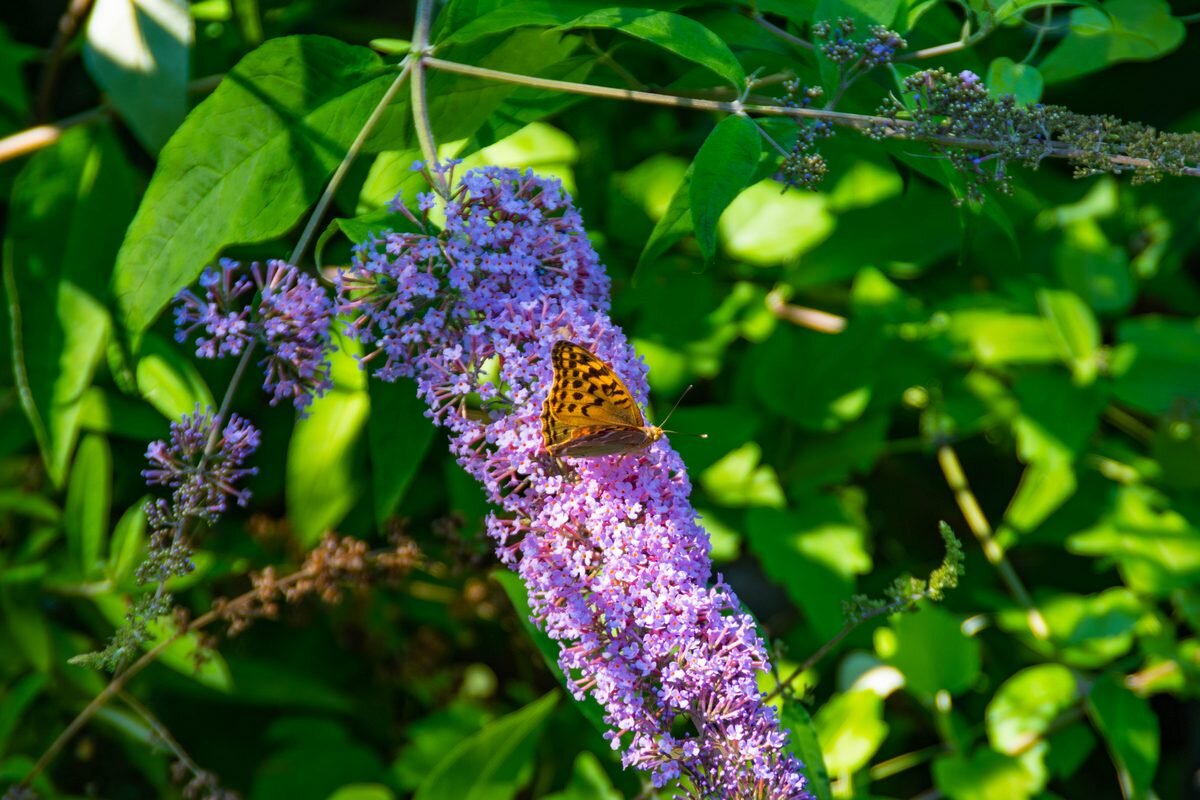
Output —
<point x="588" y="411"/>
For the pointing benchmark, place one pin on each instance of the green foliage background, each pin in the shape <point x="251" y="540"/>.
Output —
<point x="1046" y="343"/>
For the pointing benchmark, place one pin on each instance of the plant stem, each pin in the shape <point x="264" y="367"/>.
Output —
<point x="160" y="730"/>
<point x="347" y="161"/>
<point x="956" y="479"/>
<point x="775" y="30"/>
<point x="68" y="26"/>
<point x="882" y="126"/>
<point x="846" y="630"/>
<point x="420" y="104"/>
<point x="802" y="316"/>
<point x="38" y="137"/>
<point x="117" y="684"/>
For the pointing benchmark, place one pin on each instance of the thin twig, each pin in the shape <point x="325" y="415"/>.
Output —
<point x="38" y="137"/>
<point x="956" y="479"/>
<point x="339" y="174"/>
<point x="775" y="30"/>
<point x="846" y="630"/>
<point x="802" y="316"/>
<point x="882" y="126"/>
<point x="68" y="26"/>
<point x="242" y="603"/>
<point x="160" y="730"/>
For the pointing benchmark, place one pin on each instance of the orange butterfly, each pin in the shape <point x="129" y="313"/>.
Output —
<point x="589" y="412"/>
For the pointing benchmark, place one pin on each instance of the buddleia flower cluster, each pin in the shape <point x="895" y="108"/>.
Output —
<point x="203" y="460"/>
<point x="279" y="306"/>
<point x="617" y="568"/>
<point x="837" y="43"/>
<point x="999" y="131"/>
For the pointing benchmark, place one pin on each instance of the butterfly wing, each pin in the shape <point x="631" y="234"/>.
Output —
<point x="587" y="392"/>
<point x="588" y="411"/>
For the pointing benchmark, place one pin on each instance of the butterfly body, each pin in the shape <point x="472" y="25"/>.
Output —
<point x="589" y="411"/>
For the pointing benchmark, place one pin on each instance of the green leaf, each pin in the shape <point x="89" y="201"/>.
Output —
<point x="1077" y="331"/>
<point x="1130" y="730"/>
<point x="69" y="205"/>
<point x="15" y="702"/>
<point x="89" y="499"/>
<point x="878" y="12"/>
<point x="128" y="540"/>
<point x="25" y="620"/>
<point x="1155" y="362"/>
<point x="683" y="36"/>
<point x="672" y="226"/>
<point x="245" y="163"/>
<point x="722" y="168"/>
<point x="984" y="775"/>
<point x="363" y="791"/>
<point x="324" y="456"/>
<point x="993" y="337"/>
<point x="1156" y="548"/>
<point x="1120" y="30"/>
<point x="806" y="746"/>
<point x="739" y="479"/>
<point x="931" y="650"/>
<point x="1086" y="631"/>
<point x="137" y="50"/>
<point x="25" y="504"/>
<point x="1023" y="707"/>
<point x="398" y="436"/>
<point x="431" y="737"/>
<point x="1057" y="419"/>
<point x="814" y="553"/>
<point x="496" y="762"/>
<point x="588" y="781"/>
<point x="518" y="595"/>
<point x="508" y="15"/>
<point x="169" y="381"/>
<point x="1043" y="489"/>
<point x="850" y="727"/>
<point x="840" y="371"/>
<point x="1022" y="81"/>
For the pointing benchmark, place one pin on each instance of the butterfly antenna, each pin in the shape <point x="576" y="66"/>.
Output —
<point x="672" y="411"/>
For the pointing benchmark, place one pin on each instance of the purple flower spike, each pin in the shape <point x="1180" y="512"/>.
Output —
<point x="617" y="569"/>
<point x="295" y="314"/>
<point x="202" y="485"/>
<point x="226" y="324"/>
<point x="291" y="319"/>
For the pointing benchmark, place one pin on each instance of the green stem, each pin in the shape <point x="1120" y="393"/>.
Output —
<point x="420" y="104"/>
<point x="339" y="174"/>
<point x="885" y="127"/>
<point x="956" y="479"/>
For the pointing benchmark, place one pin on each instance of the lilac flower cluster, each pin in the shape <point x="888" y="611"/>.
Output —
<point x="617" y="569"/>
<point x="291" y="319"/>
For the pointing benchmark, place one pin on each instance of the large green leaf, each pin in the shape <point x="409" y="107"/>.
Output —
<point x="325" y="455"/>
<point x="89" y="500"/>
<point x="137" y="50"/>
<point x="1155" y="362"/>
<point x="398" y="436"/>
<point x="931" y="650"/>
<point x="683" y="36"/>
<point x="1024" y="706"/>
<point x="814" y="552"/>
<point x="245" y="163"/>
<point x="494" y="763"/>
<point x="1130" y="729"/>
<point x="1120" y="30"/>
<point x="722" y="168"/>
<point x="69" y="206"/>
<point x="805" y="745"/>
